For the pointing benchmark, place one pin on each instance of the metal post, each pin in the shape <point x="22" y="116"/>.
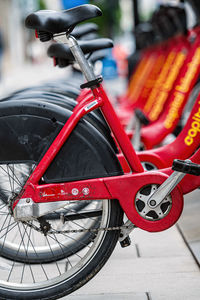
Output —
<point x="136" y="12"/>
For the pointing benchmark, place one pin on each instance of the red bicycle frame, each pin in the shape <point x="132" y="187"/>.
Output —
<point x="124" y="187"/>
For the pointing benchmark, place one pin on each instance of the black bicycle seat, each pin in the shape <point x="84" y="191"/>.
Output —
<point x="98" y="55"/>
<point x="61" y="21"/>
<point x="144" y="35"/>
<point x="62" y="50"/>
<point x="84" y="29"/>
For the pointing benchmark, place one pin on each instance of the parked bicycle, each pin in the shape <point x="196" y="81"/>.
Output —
<point x="52" y="159"/>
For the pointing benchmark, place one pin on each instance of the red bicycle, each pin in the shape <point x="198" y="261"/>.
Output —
<point x="52" y="160"/>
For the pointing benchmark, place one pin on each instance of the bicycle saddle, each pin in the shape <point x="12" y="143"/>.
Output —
<point x="98" y="55"/>
<point x="60" y="21"/>
<point x="84" y="29"/>
<point x="144" y="35"/>
<point x="62" y="50"/>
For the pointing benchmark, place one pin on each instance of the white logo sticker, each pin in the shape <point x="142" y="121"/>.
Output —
<point x="91" y="105"/>
<point x="75" y="192"/>
<point x="85" y="191"/>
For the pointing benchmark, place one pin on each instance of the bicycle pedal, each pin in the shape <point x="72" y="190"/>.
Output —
<point x="186" y="166"/>
<point x="126" y="242"/>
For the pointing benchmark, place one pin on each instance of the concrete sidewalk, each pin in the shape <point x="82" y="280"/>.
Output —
<point x="157" y="266"/>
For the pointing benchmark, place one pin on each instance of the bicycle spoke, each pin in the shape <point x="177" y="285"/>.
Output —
<point x="23" y="268"/>
<point x="18" y="183"/>
<point x="6" y="232"/>
<point x="14" y="176"/>
<point x="41" y="265"/>
<point x="75" y="240"/>
<point x="62" y="249"/>
<point x="9" y="177"/>
<point x="9" y="275"/>
<point x="53" y="256"/>
<point x="15" y="224"/>
<point x="27" y="251"/>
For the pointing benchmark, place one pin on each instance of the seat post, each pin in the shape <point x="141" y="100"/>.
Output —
<point x="80" y="58"/>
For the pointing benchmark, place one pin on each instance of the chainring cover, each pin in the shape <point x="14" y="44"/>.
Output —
<point x="128" y="187"/>
<point x="164" y="215"/>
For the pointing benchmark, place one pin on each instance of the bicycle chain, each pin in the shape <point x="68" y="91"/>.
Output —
<point x="93" y="230"/>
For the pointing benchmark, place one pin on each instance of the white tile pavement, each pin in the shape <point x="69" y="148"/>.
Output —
<point x="164" y="269"/>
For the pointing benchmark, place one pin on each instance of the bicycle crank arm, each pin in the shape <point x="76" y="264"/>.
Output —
<point x="165" y="189"/>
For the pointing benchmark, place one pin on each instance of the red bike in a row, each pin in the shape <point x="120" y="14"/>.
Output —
<point x="64" y="189"/>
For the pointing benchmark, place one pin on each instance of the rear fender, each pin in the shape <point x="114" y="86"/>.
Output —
<point x="28" y="129"/>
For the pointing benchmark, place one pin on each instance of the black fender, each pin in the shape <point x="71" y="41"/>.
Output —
<point x="28" y="129"/>
<point x="61" y="89"/>
<point x="95" y="117"/>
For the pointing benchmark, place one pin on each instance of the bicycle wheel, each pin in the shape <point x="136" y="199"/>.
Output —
<point x="54" y="280"/>
<point x="76" y="254"/>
